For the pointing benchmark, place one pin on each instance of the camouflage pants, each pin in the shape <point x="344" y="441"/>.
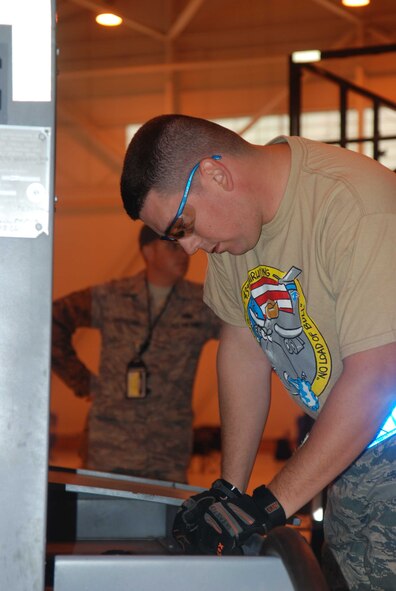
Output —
<point x="360" y="520"/>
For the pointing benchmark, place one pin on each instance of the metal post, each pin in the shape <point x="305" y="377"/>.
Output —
<point x="294" y="96"/>
<point x="343" y="115"/>
<point x="26" y="202"/>
<point x="376" y="132"/>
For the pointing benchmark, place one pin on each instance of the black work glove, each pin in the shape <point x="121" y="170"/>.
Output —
<point x="227" y="525"/>
<point x="190" y="514"/>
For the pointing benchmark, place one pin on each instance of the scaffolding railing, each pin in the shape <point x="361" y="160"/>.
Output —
<point x="296" y="71"/>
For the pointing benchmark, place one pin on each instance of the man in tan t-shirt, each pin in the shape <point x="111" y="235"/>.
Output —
<point x="301" y="239"/>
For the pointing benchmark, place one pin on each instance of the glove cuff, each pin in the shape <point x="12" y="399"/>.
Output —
<point x="269" y="504"/>
<point x="227" y="488"/>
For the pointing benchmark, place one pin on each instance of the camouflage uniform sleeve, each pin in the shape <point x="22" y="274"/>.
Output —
<point x="68" y="314"/>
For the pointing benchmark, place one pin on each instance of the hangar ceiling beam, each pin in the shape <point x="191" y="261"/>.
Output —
<point x="178" y="26"/>
<point x="171" y="66"/>
<point x="128" y="22"/>
<point x="353" y="18"/>
<point x="184" y="18"/>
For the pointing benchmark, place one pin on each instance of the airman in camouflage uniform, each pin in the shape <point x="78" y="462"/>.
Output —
<point x="151" y="436"/>
<point x="362" y="500"/>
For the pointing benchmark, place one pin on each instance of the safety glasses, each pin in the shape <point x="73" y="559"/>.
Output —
<point x="183" y="223"/>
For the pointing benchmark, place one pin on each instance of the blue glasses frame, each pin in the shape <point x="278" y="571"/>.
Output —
<point x="184" y="199"/>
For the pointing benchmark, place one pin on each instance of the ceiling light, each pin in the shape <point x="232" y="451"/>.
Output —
<point x="353" y="3"/>
<point x="301" y="57"/>
<point x="107" y="19"/>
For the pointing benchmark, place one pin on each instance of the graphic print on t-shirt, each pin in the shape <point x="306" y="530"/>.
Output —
<point x="275" y="311"/>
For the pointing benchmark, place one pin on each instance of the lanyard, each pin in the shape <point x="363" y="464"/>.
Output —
<point x="152" y="322"/>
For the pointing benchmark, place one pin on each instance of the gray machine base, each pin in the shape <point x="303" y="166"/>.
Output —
<point x="176" y="573"/>
<point x="122" y="541"/>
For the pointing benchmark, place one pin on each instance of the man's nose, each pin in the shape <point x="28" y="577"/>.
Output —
<point x="190" y="244"/>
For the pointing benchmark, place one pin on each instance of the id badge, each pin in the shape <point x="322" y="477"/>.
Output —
<point x="136" y="380"/>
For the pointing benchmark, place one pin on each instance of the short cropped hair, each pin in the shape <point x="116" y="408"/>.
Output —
<point x="163" y="151"/>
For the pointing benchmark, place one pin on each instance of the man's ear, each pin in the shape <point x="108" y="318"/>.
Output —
<point x="214" y="170"/>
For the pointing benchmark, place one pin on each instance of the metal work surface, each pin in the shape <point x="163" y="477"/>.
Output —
<point x="103" y="506"/>
<point x="146" y="573"/>
<point x="102" y="483"/>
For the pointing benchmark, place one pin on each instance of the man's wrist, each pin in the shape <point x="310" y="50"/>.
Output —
<point x="227" y="487"/>
<point x="269" y="505"/>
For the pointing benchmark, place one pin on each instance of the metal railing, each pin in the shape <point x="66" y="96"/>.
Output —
<point x="296" y="70"/>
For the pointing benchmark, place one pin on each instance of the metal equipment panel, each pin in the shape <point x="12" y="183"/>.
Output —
<point x="27" y="49"/>
<point x="146" y="573"/>
<point x="115" y="507"/>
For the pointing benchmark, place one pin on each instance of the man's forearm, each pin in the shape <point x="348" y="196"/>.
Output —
<point x="244" y="382"/>
<point x="356" y="408"/>
<point x="239" y="447"/>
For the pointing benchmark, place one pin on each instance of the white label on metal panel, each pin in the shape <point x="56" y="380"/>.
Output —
<point x="31" y="47"/>
<point x="24" y="180"/>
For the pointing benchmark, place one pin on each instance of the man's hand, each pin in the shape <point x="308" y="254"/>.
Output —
<point x="190" y="514"/>
<point x="226" y="525"/>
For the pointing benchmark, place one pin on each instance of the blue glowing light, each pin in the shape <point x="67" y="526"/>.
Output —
<point x="387" y="430"/>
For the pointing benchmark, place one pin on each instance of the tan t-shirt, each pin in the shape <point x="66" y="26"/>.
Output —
<point x="321" y="282"/>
